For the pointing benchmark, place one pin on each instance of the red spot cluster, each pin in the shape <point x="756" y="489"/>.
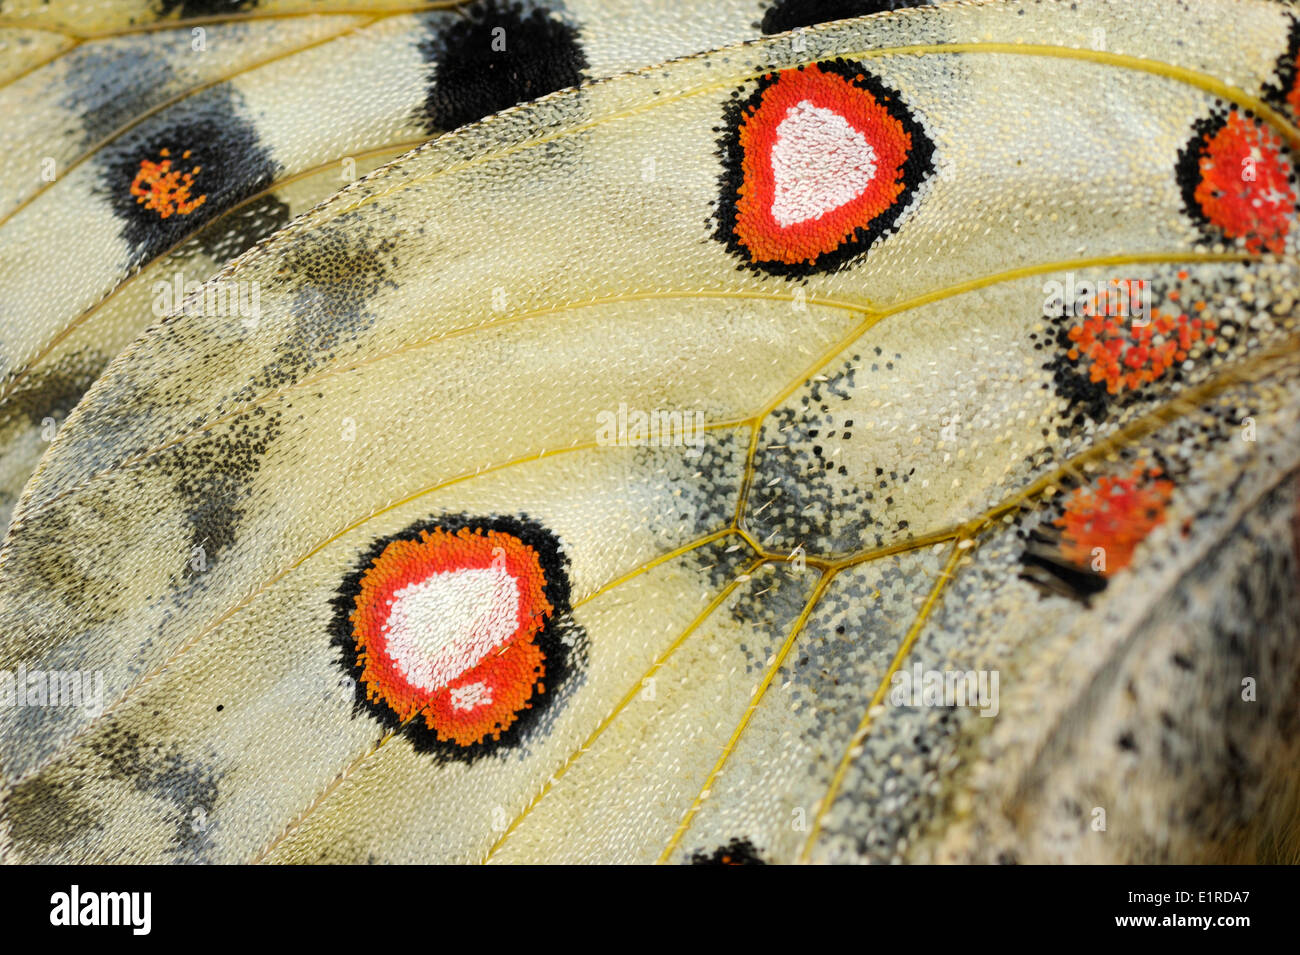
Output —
<point x="804" y="242"/>
<point x="1114" y="514"/>
<point x="1125" y="350"/>
<point x="1245" y="182"/>
<point x="164" y="190"/>
<point x="512" y="671"/>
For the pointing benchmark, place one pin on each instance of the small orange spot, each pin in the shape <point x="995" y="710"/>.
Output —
<point x="1115" y="514"/>
<point x="1126" y="352"/>
<point x="165" y="190"/>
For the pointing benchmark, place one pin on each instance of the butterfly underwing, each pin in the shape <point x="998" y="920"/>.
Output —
<point x="872" y="443"/>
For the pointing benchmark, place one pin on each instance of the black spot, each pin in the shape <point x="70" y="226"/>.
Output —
<point x="1046" y="568"/>
<point x="499" y="54"/>
<point x="561" y="639"/>
<point x="736" y="852"/>
<point x="194" y="9"/>
<point x="792" y="14"/>
<point x="220" y="143"/>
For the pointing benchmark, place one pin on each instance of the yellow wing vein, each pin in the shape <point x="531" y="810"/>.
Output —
<point x="622" y="704"/>
<point x="969" y="533"/>
<point x="356" y="763"/>
<point x="377" y="13"/>
<point x="873" y="315"/>
<point x="148" y="676"/>
<point x="904" y="648"/>
<point x="755" y="699"/>
<point x="89" y="314"/>
<point x="1183" y="75"/>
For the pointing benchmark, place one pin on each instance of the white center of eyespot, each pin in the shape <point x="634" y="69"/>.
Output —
<point x="819" y="163"/>
<point x="445" y="624"/>
<point x="470" y="696"/>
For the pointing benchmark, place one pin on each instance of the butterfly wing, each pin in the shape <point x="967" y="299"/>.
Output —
<point x="416" y="568"/>
<point x="160" y="145"/>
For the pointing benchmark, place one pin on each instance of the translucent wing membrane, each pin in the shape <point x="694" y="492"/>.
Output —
<point x="156" y="149"/>
<point x="609" y="479"/>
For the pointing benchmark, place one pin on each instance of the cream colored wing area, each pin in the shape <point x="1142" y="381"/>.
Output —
<point x="331" y="101"/>
<point x="767" y="789"/>
<point x="621" y="801"/>
<point x="400" y="805"/>
<point x="265" y="688"/>
<point x="24" y="51"/>
<point x="618" y="35"/>
<point x="41" y="396"/>
<point x="519" y="214"/>
<point x="91" y="18"/>
<point x="252" y="494"/>
<point x="904" y="446"/>
<point x="272" y="115"/>
<point x="69" y="107"/>
<point x="1099" y="706"/>
<point x="468" y="330"/>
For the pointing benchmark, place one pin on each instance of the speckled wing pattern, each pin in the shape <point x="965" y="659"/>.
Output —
<point x="278" y="105"/>
<point x="608" y="480"/>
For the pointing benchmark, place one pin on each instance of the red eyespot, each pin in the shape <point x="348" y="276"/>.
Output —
<point x="166" y="190"/>
<point x="446" y="627"/>
<point x="1115" y="515"/>
<point x="1238" y="178"/>
<point x="1125" y="351"/>
<point x="821" y="161"/>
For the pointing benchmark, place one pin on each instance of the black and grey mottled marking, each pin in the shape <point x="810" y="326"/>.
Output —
<point x="222" y="143"/>
<point x="333" y="283"/>
<point x="800" y="496"/>
<point x="213" y="474"/>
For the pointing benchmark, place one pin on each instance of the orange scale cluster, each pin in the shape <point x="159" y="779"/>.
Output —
<point x="1126" y="354"/>
<point x="1245" y="183"/>
<point x="487" y="698"/>
<point x="1115" y="514"/>
<point x="165" y="190"/>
